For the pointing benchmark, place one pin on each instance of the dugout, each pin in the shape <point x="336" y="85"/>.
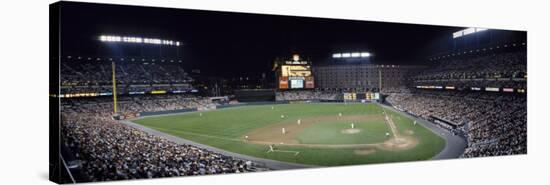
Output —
<point x="444" y="122"/>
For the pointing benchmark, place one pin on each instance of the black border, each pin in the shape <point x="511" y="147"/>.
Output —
<point x="55" y="164"/>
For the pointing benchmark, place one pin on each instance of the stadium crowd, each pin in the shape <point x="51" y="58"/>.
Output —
<point x="109" y="150"/>
<point x="507" y="69"/>
<point x="93" y="72"/>
<point x="306" y="95"/>
<point x="89" y="76"/>
<point x="494" y="123"/>
<point x="144" y="103"/>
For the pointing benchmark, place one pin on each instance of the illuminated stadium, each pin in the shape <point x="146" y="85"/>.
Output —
<point x="223" y="93"/>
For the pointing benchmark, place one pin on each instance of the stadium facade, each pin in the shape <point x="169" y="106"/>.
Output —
<point x="361" y="77"/>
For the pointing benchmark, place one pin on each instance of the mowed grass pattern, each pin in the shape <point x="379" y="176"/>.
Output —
<point x="224" y="129"/>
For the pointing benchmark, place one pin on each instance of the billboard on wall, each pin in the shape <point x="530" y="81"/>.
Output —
<point x="309" y="82"/>
<point x="283" y="82"/>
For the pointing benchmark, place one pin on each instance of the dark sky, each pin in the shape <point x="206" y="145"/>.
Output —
<point x="230" y="44"/>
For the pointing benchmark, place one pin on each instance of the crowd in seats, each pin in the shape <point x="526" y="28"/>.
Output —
<point x="494" y="123"/>
<point x="109" y="150"/>
<point x="508" y="69"/>
<point x="98" y="74"/>
<point x="305" y="95"/>
<point x="143" y="103"/>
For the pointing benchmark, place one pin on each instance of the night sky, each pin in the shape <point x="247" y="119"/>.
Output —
<point x="232" y="44"/>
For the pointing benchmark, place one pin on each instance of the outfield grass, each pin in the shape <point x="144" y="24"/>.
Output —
<point x="224" y="129"/>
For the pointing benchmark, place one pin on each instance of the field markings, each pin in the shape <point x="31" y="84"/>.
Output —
<point x="381" y="145"/>
<point x="196" y="134"/>
<point x="284" y="151"/>
<point x="390" y="122"/>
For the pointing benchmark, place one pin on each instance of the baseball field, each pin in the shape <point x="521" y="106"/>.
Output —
<point x="323" y="134"/>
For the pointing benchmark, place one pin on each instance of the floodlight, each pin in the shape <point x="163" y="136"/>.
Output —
<point x="355" y="54"/>
<point x="337" y="55"/>
<point x="113" y="38"/>
<point x="365" y="54"/>
<point x="346" y="55"/>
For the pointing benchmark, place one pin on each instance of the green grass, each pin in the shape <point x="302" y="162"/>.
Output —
<point x="223" y="129"/>
<point x="329" y="132"/>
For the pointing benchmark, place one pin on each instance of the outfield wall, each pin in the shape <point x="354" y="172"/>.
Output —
<point x="166" y="112"/>
<point x="217" y="107"/>
<point x="251" y="103"/>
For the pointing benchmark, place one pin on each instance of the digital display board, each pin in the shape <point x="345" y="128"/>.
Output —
<point x="493" y="89"/>
<point x="507" y="89"/>
<point x="295" y="70"/>
<point x="350" y="96"/>
<point x="296" y="84"/>
<point x="296" y="76"/>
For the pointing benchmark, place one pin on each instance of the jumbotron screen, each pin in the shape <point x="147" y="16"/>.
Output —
<point x="296" y="77"/>
<point x="296" y="70"/>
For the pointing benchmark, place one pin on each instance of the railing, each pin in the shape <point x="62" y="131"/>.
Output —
<point x="67" y="169"/>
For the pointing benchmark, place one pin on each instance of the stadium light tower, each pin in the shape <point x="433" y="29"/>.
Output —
<point x="363" y="54"/>
<point x="140" y="40"/>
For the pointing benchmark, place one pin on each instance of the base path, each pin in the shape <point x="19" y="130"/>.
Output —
<point x="393" y="128"/>
<point x="272" y="135"/>
<point x="454" y="145"/>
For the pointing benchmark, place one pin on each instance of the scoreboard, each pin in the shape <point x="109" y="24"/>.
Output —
<point x="295" y="74"/>
<point x="361" y="96"/>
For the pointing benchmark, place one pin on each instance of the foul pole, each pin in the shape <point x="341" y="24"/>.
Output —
<point x="379" y="80"/>
<point x="114" y="87"/>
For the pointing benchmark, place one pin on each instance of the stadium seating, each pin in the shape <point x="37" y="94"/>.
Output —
<point x="306" y="95"/>
<point x="108" y="150"/>
<point x="501" y="70"/>
<point x="494" y="123"/>
<point x="96" y="76"/>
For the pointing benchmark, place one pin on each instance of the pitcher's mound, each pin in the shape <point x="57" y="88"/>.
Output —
<point x="351" y="131"/>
